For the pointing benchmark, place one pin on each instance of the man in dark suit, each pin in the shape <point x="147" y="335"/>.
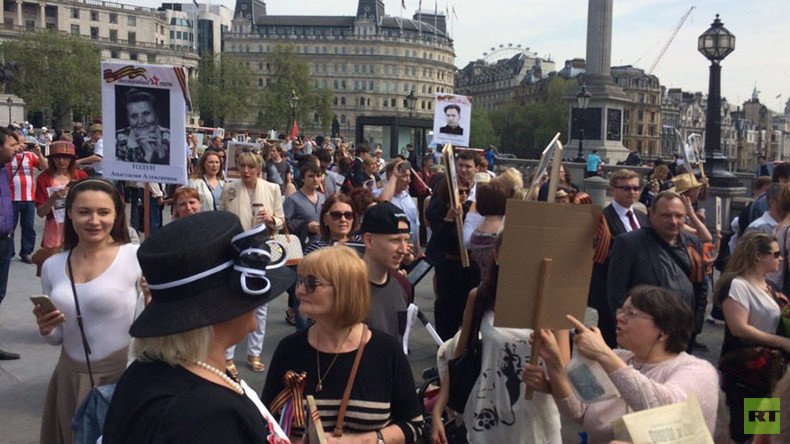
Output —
<point x="452" y="114"/>
<point x="661" y="255"/>
<point x="620" y="217"/>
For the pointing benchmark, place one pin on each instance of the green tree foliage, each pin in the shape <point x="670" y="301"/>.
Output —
<point x="57" y="74"/>
<point x="524" y="130"/>
<point x="482" y="132"/>
<point x="289" y="72"/>
<point x="223" y="91"/>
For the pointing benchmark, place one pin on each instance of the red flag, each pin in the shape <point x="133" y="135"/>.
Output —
<point x="295" y="131"/>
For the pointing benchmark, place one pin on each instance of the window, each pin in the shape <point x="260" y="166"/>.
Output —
<point x="172" y="35"/>
<point x="132" y="56"/>
<point x="342" y="118"/>
<point x="131" y="20"/>
<point x="75" y="30"/>
<point x="151" y="58"/>
<point x="113" y="17"/>
<point x="132" y="38"/>
<point x="343" y="100"/>
<point x="640" y="115"/>
<point x="30" y="25"/>
<point x="95" y="16"/>
<point x="94" y="32"/>
<point x="361" y="101"/>
<point x="639" y="130"/>
<point x="75" y="13"/>
<point x="114" y="54"/>
<point x="260" y="82"/>
<point x="113" y="35"/>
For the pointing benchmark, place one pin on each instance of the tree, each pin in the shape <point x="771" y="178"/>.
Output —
<point x="223" y="89"/>
<point x="56" y="74"/>
<point x="525" y="129"/>
<point x="482" y="131"/>
<point x="291" y="73"/>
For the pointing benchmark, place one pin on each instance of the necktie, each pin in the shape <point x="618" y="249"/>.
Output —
<point x="632" y="220"/>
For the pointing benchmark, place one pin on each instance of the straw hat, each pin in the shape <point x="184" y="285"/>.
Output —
<point x="685" y="182"/>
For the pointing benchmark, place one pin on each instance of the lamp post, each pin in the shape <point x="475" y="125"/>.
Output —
<point x="10" y="102"/>
<point x="715" y="44"/>
<point x="582" y="100"/>
<point x="411" y="102"/>
<point x="294" y="100"/>
<point x="90" y="110"/>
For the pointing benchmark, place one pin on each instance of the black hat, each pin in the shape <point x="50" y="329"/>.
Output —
<point x="203" y="269"/>
<point x="383" y="218"/>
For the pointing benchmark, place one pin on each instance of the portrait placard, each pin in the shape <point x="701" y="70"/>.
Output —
<point x="232" y="159"/>
<point x="451" y="119"/>
<point x="563" y="233"/>
<point x="543" y="165"/>
<point x="144" y="109"/>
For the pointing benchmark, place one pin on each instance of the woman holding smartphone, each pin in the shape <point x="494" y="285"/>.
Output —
<point x="257" y="203"/>
<point x="97" y="269"/>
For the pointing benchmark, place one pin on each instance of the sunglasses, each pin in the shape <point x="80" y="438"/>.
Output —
<point x="310" y="282"/>
<point x="336" y="215"/>
<point x="627" y="188"/>
<point x="776" y="254"/>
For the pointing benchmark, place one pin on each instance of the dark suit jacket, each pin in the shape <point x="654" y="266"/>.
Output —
<point x="450" y="130"/>
<point x="598" y="294"/>
<point x="633" y="261"/>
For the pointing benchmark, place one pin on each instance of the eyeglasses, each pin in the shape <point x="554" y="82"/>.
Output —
<point x="630" y="313"/>
<point x="336" y="215"/>
<point x="310" y="282"/>
<point x="626" y="188"/>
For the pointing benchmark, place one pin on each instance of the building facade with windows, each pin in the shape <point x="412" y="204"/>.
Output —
<point x="122" y="31"/>
<point x="198" y="26"/>
<point x="371" y="61"/>
<point x="641" y="117"/>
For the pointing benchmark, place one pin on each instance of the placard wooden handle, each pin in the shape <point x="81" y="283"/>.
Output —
<point x="540" y="304"/>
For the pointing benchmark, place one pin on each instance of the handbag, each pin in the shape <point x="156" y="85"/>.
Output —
<point x="756" y="369"/>
<point x="292" y="245"/>
<point x="465" y="369"/>
<point x="88" y="420"/>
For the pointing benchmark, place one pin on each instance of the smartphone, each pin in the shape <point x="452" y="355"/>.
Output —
<point x="44" y="301"/>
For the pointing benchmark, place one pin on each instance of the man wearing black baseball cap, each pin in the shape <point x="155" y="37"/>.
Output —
<point x="385" y="231"/>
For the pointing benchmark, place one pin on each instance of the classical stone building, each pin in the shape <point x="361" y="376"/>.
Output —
<point x="641" y="117"/>
<point x="122" y="31"/>
<point x="492" y="85"/>
<point x="370" y="60"/>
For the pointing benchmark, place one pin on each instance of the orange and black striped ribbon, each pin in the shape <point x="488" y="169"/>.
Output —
<point x="127" y="71"/>
<point x="603" y="240"/>
<point x="181" y="75"/>
<point x="697" y="273"/>
<point x="293" y="390"/>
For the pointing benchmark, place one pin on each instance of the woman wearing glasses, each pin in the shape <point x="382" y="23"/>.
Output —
<point x="752" y="313"/>
<point x="333" y="289"/>
<point x="335" y="223"/>
<point x="651" y="369"/>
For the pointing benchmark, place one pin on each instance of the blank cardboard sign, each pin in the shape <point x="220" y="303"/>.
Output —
<point x="537" y="230"/>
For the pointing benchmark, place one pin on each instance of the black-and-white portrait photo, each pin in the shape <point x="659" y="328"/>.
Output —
<point x="452" y="114"/>
<point x="142" y="116"/>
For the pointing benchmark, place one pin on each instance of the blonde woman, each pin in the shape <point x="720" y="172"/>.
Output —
<point x="257" y="203"/>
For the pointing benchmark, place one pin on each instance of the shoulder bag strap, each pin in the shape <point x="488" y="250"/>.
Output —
<point x="211" y="193"/>
<point x="341" y="414"/>
<point x="85" y="344"/>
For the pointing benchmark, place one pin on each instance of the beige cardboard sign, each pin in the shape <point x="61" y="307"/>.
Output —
<point x="535" y="231"/>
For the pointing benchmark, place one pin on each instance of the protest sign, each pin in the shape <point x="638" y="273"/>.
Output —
<point x="144" y="117"/>
<point x="232" y="159"/>
<point x="543" y="166"/>
<point x="538" y="231"/>
<point x="448" y="160"/>
<point x="451" y="119"/>
<point x="718" y="213"/>
<point x="680" y="423"/>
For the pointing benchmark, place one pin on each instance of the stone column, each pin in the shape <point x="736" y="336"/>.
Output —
<point x="19" y="13"/>
<point x="42" y="10"/>
<point x="599" y="37"/>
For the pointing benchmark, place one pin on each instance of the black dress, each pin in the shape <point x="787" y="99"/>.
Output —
<point x="158" y="403"/>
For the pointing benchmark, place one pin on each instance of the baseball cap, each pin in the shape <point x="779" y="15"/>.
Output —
<point x="383" y="218"/>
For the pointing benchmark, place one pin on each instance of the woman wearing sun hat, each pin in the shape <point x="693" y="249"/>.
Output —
<point x="206" y="277"/>
<point x="51" y="189"/>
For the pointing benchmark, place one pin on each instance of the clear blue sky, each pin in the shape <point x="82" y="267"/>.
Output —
<point x="641" y="27"/>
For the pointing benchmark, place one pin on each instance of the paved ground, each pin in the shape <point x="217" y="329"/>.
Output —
<point x="23" y="382"/>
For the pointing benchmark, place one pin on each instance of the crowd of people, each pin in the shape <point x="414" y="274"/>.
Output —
<point x="177" y="305"/>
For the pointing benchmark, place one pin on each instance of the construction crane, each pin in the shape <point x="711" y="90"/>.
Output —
<point x="672" y="37"/>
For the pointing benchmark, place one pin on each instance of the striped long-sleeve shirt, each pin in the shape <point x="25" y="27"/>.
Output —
<point x="383" y="392"/>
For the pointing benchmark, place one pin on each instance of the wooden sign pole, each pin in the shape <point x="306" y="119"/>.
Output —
<point x="555" y="173"/>
<point x="147" y="211"/>
<point x="540" y="304"/>
<point x="448" y="157"/>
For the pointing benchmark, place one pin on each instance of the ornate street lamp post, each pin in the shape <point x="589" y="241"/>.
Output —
<point x="715" y="44"/>
<point x="582" y="101"/>
<point x="294" y="100"/>
<point x="411" y="102"/>
<point x="10" y="102"/>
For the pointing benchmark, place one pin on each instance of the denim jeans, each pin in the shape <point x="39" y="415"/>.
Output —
<point x="25" y="215"/>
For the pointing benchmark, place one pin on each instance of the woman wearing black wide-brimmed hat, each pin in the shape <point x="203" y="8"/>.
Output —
<point x="206" y="277"/>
